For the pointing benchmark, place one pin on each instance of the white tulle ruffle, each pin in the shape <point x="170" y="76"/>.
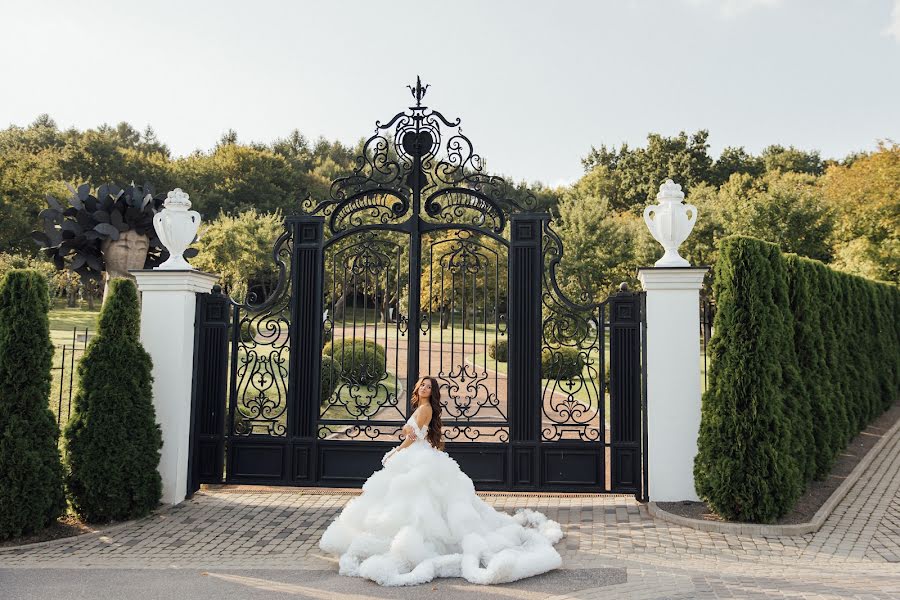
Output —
<point x="419" y="518"/>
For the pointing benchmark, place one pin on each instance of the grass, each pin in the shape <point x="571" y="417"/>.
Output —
<point x="65" y="376"/>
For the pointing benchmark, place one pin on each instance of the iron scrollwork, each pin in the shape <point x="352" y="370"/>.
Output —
<point x="409" y="153"/>
<point x="261" y="339"/>
<point x="572" y="350"/>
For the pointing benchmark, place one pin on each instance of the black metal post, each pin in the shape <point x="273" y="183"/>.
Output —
<point x="625" y="390"/>
<point x="524" y="384"/>
<point x="206" y="450"/>
<point x="416" y="180"/>
<point x="304" y="387"/>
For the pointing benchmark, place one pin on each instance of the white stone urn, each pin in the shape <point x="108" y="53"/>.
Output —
<point x="670" y="222"/>
<point x="176" y="227"/>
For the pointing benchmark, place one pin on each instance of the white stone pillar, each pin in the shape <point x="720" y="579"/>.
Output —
<point x="673" y="379"/>
<point x="168" y="306"/>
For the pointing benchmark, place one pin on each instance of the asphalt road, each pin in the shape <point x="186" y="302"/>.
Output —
<point x="181" y="584"/>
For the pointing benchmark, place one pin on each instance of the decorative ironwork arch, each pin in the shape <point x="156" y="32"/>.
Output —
<point x="411" y="157"/>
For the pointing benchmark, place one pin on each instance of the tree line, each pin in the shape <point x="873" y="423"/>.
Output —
<point x="844" y="212"/>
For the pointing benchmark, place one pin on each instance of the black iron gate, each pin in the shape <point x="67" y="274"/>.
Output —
<point x="420" y="263"/>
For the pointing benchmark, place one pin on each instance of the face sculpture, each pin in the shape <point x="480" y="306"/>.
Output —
<point x="129" y="252"/>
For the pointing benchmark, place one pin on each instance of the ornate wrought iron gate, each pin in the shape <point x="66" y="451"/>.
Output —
<point x="420" y="263"/>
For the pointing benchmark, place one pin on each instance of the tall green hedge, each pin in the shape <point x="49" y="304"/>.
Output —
<point x="31" y="474"/>
<point x="802" y="359"/>
<point x="113" y="438"/>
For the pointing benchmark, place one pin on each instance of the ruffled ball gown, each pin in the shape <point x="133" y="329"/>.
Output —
<point x="419" y="518"/>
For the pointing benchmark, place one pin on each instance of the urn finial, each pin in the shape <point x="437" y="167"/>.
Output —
<point x="176" y="227"/>
<point x="670" y="222"/>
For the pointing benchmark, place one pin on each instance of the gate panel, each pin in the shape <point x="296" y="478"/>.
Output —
<point x="463" y="329"/>
<point x="259" y="402"/>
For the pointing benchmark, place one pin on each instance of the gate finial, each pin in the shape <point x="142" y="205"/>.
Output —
<point x="418" y="92"/>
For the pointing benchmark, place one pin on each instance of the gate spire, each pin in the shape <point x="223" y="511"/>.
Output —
<point x="418" y="92"/>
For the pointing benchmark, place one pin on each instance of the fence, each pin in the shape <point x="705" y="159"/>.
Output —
<point x="65" y="376"/>
<point x="707" y="313"/>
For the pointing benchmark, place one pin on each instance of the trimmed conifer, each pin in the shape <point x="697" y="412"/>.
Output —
<point x="834" y="357"/>
<point x="744" y="467"/>
<point x="797" y="409"/>
<point x="814" y="432"/>
<point x="113" y="439"/>
<point x="803" y="358"/>
<point x="31" y="475"/>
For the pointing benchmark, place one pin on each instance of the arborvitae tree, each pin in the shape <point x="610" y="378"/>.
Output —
<point x="31" y="474"/>
<point x="830" y="311"/>
<point x="113" y="439"/>
<point x="809" y="345"/>
<point x="744" y="467"/>
<point x="797" y="407"/>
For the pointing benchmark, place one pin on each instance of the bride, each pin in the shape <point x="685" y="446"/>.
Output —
<point x="419" y="517"/>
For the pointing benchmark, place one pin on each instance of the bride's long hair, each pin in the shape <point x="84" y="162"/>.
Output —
<point x="434" y="427"/>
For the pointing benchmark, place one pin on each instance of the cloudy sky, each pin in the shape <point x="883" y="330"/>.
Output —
<point x="535" y="83"/>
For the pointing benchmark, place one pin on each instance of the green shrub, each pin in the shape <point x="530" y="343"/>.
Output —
<point x="331" y="376"/>
<point x="803" y="358"/>
<point x="745" y="467"/>
<point x="326" y="337"/>
<point x="561" y="363"/>
<point x="31" y="474"/>
<point x="113" y="439"/>
<point x="362" y="362"/>
<point x="499" y="351"/>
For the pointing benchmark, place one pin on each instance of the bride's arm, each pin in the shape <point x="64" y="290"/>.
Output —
<point x="422" y="417"/>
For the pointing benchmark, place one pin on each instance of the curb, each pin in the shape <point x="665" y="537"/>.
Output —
<point x="812" y="526"/>
<point x="162" y="511"/>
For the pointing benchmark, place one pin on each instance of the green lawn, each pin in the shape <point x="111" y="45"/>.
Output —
<point x="65" y="376"/>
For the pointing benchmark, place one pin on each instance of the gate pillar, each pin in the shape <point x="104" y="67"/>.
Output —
<point x="168" y="308"/>
<point x="524" y="386"/>
<point x="304" y="384"/>
<point x="673" y="379"/>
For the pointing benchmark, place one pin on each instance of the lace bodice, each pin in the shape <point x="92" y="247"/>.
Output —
<point x="421" y="433"/>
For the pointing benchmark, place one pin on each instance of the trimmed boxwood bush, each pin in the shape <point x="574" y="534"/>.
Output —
<point x="31" y="474"/>
<point x="499" y="351"/>
<point x="803" y="358"/>
<point x="561" y="363"/>
<point x="113" y="439"/>
<point x="331" y="376"/>
<point x="362" y="362"/>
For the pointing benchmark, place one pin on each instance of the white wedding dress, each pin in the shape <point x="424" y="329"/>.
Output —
<point x="419" y="518"/>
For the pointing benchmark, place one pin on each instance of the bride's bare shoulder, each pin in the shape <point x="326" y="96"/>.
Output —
<point x="423" y="415"/>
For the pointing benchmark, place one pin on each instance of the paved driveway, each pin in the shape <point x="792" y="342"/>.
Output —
<point x="263" y="544"/>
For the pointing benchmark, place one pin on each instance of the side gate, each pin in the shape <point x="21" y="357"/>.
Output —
<point x="420" y="264"/>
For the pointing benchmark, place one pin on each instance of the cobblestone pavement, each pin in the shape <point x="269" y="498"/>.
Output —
<point x="612" y="548"/>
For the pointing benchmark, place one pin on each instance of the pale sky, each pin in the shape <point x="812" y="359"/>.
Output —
<point x="536" y="84"/>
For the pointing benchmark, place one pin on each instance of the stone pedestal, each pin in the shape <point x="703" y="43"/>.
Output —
<point x="168" y="308"/>
<point x="673" y="379"/>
